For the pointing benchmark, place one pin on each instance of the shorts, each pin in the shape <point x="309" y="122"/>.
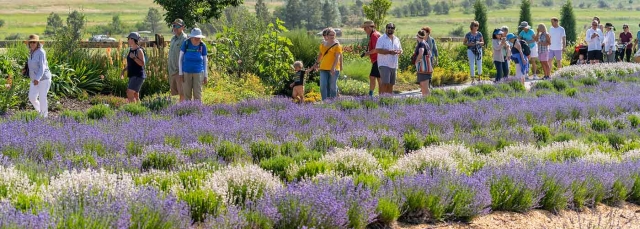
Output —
<point x="387" y="75"/>
<point x="555" y="53"/>
<point x="135" y="83"/>
<point x="534" y="51"/>
<point x="543" y="56"/>
<point x="423" y="77"/>
<point x="298" y="84"/>
<point x="175" y="85"/>
<point x="594" y="55"/>
<point x="374" y="70"/>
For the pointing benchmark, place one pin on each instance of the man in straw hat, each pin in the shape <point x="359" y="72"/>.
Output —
<point x="39" y="74"/>
<point x="374" y="76"/>
<point x="177" y="40"/>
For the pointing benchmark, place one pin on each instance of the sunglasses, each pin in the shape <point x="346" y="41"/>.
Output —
<point x="177" y="26"/>
<point x="33" y="42"/>
<point x="391" y="27"/>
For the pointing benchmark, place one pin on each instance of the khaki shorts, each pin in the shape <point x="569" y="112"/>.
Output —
<point x="192" y="86"/>
<point x="175" y="84"/>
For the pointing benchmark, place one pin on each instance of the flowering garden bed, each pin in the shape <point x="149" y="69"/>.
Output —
<point x="571" y="143"/>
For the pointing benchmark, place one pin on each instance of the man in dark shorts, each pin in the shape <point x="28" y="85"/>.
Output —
<point x="595" y="39"/>
<point x="370" y="28"/>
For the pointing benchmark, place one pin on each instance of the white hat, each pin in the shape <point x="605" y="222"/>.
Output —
<point x="197" y="33"/>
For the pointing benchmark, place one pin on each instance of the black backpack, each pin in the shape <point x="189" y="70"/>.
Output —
<point x="526" y="50"/>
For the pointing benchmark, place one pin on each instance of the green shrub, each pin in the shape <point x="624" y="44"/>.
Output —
<point x="563" y="137"/>
<point x="389" y="211"/>
<point x="507" y="195"/>
<point x="348" y="104"/>
<point x="634" y="195"/>
<point x="483" y="148"/>
<point x="559" y="84"/>
<point x="587" y="192"/>
<point x="99" y="111"/>
<point x="231" y="152"/>
<point x="431" y="139"/>
<point x="134" y="148"/>
<point x="113" y="101"/>
<point x="353" y="87"/>
<point x="420" y="201"/>
<point x="370" y="104"/>
<point x="390" y="143"/>
<point x="487" y="89"/>
<point x="634" y="120"/>
<point x="571" y="92"/>
<point x="357" y="69"/>
<point x="555" y="198"/>
<point x="134" y="109"/>
<point x="544" y="85"/>
<point x="277" y="165"/>
<point x="201" y="203"/>
<point x="79" y="116"/>
<point x="157" y="102"/>
<point x="619" y="194"/>
<point x="292" y="148"/>
<point x="541" y="133"/>
<point x="411" y="141"/>
<point x="388" y="101"/>
<point x="324" y="144"/>
<point x="161" y="161"/>
<point x="173" y="141"/>
<point x="311" y="169"/>
<point x="247" y="110"/>
<point x="472" y="91"/>
<point x="589" y="81"/>
<point x="207" y="139"/>
<point x="263" y="150"/>
<point x="11" y="152"/>
<point x="600" y="125"/>
<point x="25" y="116"/>
<point x="619" y="124"/>
<point x="517" y="86"/>
<point x="452" y="94"/>
<point x="307" y="156"/>
<point x="615" y="140"/>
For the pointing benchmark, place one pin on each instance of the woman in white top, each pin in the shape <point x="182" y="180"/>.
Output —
<point x="609" y="44"/>
<point x="40" y="76"/>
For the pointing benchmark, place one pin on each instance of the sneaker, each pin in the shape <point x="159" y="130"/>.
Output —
<point x="535" y="77"/>
<point x="473" y="81"/>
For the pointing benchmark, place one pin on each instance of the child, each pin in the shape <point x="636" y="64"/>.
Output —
<point x="581" y="60"/>
<point x="298" y="84"/>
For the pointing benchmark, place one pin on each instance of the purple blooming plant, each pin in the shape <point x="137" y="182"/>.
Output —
<point x="513" y="187"/>
<point x="231" y="217"/>
<point x="10" y="217"/>
<point x="325" y="203"/>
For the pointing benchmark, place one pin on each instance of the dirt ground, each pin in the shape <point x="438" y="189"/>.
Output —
<point x="601" y="217"/>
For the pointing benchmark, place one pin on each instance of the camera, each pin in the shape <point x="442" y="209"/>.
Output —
<point x="363" y="54"/>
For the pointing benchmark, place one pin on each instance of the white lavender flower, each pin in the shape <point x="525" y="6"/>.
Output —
<point x="240" y="183"/>
<point x="86" y="181"/>
<point x="14" y="182"/>
<point x="351" y="161"/>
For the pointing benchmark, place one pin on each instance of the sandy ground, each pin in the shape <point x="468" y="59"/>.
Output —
<point x="602" y="217"/>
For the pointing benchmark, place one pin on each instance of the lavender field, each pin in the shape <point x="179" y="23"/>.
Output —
<point x="569" y="143"/>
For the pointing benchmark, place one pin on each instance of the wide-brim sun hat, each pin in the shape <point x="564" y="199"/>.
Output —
<point x="196" y="33"/>
<point x="524" y="24"/>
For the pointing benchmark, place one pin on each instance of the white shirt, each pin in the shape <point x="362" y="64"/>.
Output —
<point x="388" y="60"/>
<point x="556" y="37"/>
<point x="596" y="42"/>
<point x="609" y="41"/>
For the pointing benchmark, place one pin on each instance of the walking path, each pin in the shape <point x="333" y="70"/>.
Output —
<point x="458" y="87"/>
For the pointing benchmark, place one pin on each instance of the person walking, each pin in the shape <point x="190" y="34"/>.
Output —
<point x="39" y="74"/>
<point x="518" y="57"/>
<point x="424" y="68"/>
<point x="193" y="65"/>
<point x="506" y="51"/>
<point x="134" y="68"/>
<point x="625" y="38"/>
<point x="558" y="43"/>
<point x="474" y="42"/>
<point x="609" y="43"/>
<point x="595" y="38"/>
<point x="499" y="43"/>
<point x="528" y="36"/>
<point x="374" y="75"/>
<point x="331" y="53"/>
<point x="432" y="44"/>
<point x="179" y="37"/>
<point x="389" y="49"/>
<point x="544" y="40"/>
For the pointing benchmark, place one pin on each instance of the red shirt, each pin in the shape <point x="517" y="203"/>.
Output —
<point x="626" y="37"/>
<point x="373" y="39"/>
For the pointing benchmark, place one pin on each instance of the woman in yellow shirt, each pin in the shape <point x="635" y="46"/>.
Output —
<point x="330" y="54"/>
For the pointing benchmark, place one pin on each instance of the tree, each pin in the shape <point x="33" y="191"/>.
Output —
<point x="437" y="8"/>
<point x="427" y="7"/>
<point x="328" y="14"/>
<point x="194" y="11"/>
<point x="568" y="21"/>
<point x="377" y="11"/>
<point x="311" y="14"/>
<point x="116" y="26"/>
<point x="490" y="3"/>
<point x="293" y="12"/>
<point x="357" y="8"/>
<point x="505" y="2"/>
<point x="54" y="23"/>
<point x="603" y="4"/>
<point x="153" y="20"/>
<point x="547" y="3"/>
<point x="445" y="7"/>
<point x="262" y="12"/>
<point x="75" y="25"/>
<point x="525" y="13"/>
<point x="344" y="14"/>
<point x="480" y="11"/>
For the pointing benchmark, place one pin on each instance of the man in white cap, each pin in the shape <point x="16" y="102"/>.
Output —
<point x="177" y="40"/>
<point x="192" y="66"/>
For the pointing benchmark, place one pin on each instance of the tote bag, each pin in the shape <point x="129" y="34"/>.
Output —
<point x="424" y="66"/>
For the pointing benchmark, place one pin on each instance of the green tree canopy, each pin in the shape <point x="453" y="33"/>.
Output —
<point x="568" y="21"/>
<point x="262" y="12"/>
<point x="480" y="10"/>
<point x="525" y="13"/>
<point x="54" y="23"/>
<point x="194" y="11"/>
<point x="377" y="11"/>
<point x="153" y="20"/>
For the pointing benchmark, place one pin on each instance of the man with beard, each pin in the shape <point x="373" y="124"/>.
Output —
<point x="389" y="49"/>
